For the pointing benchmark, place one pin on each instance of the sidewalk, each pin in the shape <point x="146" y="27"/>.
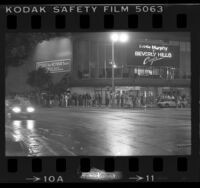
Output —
<point x="103" y="107"/>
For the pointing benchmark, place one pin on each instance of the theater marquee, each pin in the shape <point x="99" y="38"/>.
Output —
<point x="154" y="55"/>
<point x="55" y="66"/>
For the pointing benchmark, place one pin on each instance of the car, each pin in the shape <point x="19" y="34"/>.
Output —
<point x="19" y="108"/>
<point x="172" y="103"/>
<point x="167" y="103"/>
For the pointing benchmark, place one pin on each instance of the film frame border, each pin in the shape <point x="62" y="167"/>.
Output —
<point x="188" y="165"/>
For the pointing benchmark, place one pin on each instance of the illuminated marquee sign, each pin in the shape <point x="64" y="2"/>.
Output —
<point x="56" y="66"/>
<point x="154" y="55"/>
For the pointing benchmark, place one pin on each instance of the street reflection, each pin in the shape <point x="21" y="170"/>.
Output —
<point x="30" y="125"/>
<point x="17" y="136"/>
<point x="118" y="143"/>
<point x="112" y="134"/>
<point x="17" y="124"/>
<point x="24" y="131"/>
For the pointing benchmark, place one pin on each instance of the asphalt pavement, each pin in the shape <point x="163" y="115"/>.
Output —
<point x="101" y="132"/>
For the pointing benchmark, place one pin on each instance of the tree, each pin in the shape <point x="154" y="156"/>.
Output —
<point x="40" y="79"/>
<point x="61" y="86"/>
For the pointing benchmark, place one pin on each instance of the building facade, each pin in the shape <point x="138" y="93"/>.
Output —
<point x="145" y="66"/>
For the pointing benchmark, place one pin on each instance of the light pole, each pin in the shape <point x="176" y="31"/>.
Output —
<point x="115" y="37"/>
<point x="113" y="70"/>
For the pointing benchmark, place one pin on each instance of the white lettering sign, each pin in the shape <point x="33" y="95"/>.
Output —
<point x="55" y="66"/>
<point x="152" y="53"/>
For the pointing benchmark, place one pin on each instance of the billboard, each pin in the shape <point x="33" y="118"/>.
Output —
<point x="55" y="66"/>
<point x="149" y="54"/>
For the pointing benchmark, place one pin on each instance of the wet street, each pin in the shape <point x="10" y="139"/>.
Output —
<point x="92" y="131"/>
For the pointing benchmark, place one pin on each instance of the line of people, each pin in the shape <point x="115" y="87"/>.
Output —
<point x="96" y="100"/>
<point x="120" y="100"/>
<point x="68" y="100"/>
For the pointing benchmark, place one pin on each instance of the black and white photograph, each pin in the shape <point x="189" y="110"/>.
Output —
<point x="116" y="93"/>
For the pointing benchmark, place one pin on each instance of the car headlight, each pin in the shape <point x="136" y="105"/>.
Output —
<point x="16" y="109"/>
<point x="30" y="109"/>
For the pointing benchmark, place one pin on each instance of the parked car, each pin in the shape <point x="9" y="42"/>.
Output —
<point x="166" y="103"/>
<point x="19" y="108"/>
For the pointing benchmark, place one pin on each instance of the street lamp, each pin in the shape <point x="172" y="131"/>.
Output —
<point x="123" y="37"/>
<point x="115" y="37"/>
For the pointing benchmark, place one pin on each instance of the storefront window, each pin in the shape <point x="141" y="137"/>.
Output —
<point x="140" y="71"/>
<point x="155" y="71"/>
<point x="168" y="73"/>
<point x="126" y="72"/>
<point x="148" y="71"/>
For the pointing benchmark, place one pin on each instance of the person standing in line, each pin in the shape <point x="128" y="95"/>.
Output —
<point x="76" y="99"/>
<point x="122" y="100"/>
<point x="110" y="99"/>
<point x="63" y="100"/>
<point x="85" y="100"/>
<point x="178" y="102"/>
<point x="88" y="100"/>
<point x="106" y="99"/>
<point x="60" y="100"/>
<point x="48" y="100"/>
<point x="118" y="99"/>
<point x="56" y="100"/>
<point x="96" y="100"/>
<point x="133" y="101"/>
<point x="138" y="101"/>
<point x="99" y="100"/>
<point x="93" y="100"/>
<point x="70" y="100"/>
<point x="66" y="100"/>
<point x="81" y="99"/>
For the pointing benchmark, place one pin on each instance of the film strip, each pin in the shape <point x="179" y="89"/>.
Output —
<point x="114" y="122"/>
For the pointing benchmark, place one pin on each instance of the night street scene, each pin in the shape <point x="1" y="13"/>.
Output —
<point x="98" y="94"/>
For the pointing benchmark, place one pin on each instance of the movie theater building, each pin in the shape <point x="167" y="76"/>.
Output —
<point x="149" y="64"/>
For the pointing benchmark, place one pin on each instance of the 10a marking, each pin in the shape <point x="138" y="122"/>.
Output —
<point x="53" y="179"/>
